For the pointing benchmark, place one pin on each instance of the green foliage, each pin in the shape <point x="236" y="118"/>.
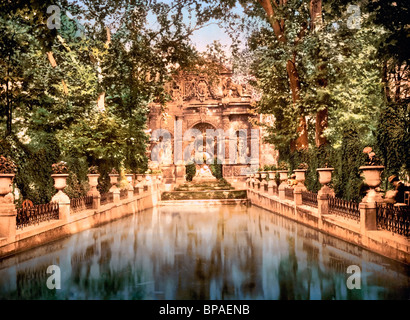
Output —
<point x="347" y="180"/>
<point x="393" y="139"/>
<point x="216" y="169"/>
<point x="190" y="170"/>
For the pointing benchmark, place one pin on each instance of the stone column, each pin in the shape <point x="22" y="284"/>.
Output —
<point x="300" y="178"/>
<point x="367" y="216"/>
<point x="8" y="210"/>
<point x="130" y="178"/>
<point x="271" y="182"/>
<point x="283" y="176"/>
<point x="148" y="182"/>
<point x="323" y="202"/>
<point x="297" y="195"/>
<point x="93" y="182"/>
<point x="60" y="182"/>
<point x="139" y="184"/>
<point x="114" y="189"/>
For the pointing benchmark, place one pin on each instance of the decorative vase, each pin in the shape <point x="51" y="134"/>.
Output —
<point x="93" y="182"/>
<point x="271" y="175"/>
<point x="300" y="175"/>
<point x="60" y="181"/>
<point x="6" y="180"/>
<point x="372" y="178"/>
<point x="129" y="177"/>
<point x="325" y="175"/>
<point x="113" y="181"/>
<point x="283" y="175"/>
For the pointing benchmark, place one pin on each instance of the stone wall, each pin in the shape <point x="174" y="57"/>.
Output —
<point x="45" y="232"/>
<point x="383" y="242"/>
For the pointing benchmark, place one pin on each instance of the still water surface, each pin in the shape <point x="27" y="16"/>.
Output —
<point x="193" y="252"/>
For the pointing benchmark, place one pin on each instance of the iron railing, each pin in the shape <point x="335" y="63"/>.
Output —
<point x="81" y="203"/>
<point x="394" y="219"/>
<point x="106" y="198"/>
<point x="123" y="193"/>
<point x="344" y="208"/>
<point x="309" y="198"/>
<point x="35" y="214"/>
<point x="289" y="193"/>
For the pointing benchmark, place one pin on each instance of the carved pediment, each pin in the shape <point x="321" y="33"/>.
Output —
<point x="198" y="87"/>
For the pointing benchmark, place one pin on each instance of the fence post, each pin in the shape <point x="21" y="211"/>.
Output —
<point x="93" y="182"/>
<point x="297" y="195"/>
<point x="322" y="203"/>
<point x="60" y="182"/>
<point x="367" y="216"/>
<point x="114" y="189"/>
<point x="8" y="212"/>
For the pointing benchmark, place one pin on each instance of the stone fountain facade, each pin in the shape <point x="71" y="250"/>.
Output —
<point x="199" y="103"/>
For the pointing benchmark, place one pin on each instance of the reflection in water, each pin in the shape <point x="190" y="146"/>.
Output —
<point x="187" y="252"/>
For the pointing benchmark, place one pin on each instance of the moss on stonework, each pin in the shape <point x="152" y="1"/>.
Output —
<point x="204" y="195"/>
<point x="220" y="189"/>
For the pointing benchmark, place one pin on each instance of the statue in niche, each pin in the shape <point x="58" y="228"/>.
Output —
<point x="203" y="172"/>
<point x="167" y="156"/>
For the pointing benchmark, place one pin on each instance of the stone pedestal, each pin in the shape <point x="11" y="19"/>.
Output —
<point x="322" y="201"/>
<point x="130" y="188"/>
<point x="114" y="189"/>
<point x="60" y="182"/>
<point x="93" y="182"/>
<point x="8" y="210"/>
<point x="8" y="215"/>
<point x="297" y="195"/>
<point x="367" y="216"/>
<point x="180" y="173"/>
<point x="283" y="176"/>
<point x="300" y="178"/>
<point x="372" y="177"/>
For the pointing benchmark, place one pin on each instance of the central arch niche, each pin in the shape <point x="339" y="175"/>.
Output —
<point x="209" y="143"/>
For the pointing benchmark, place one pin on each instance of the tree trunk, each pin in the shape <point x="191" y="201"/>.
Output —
<point x="302" y="139"/>
<point x="278" y="27"/>
<point x="9" y="113"/>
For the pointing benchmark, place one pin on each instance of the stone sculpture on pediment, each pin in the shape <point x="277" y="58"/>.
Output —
<point x="202" y="91"/>
<point x="230" y="89"/>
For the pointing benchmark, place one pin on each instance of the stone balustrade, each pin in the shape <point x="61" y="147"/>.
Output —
<point x="356" y="223"/>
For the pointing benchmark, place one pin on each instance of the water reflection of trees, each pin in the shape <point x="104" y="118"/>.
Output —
<point x="206" y="253"/>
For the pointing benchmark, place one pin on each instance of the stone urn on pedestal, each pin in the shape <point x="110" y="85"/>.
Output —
<point x="325" y="177"/>
<point x="130" y="178"/>
<point x="6" y="180"/>
<point x="372" y="176"/>
<point x="264" y="174"/>
<point x="114" y="189"/>
<point x="283" y="177"/>
<point x="114" y="182"/>
<point x="60" y="182"/>
<point x="60" y="175"/>
<point x="8" y="210"/>
<point x="138" y="183"/>
<point x="272" y="181"/>
<point x="93" y="176"/>
<point x="300" y="178"/>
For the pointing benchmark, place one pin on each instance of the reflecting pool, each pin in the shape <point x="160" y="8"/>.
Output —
<point x="193" y="252"/>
